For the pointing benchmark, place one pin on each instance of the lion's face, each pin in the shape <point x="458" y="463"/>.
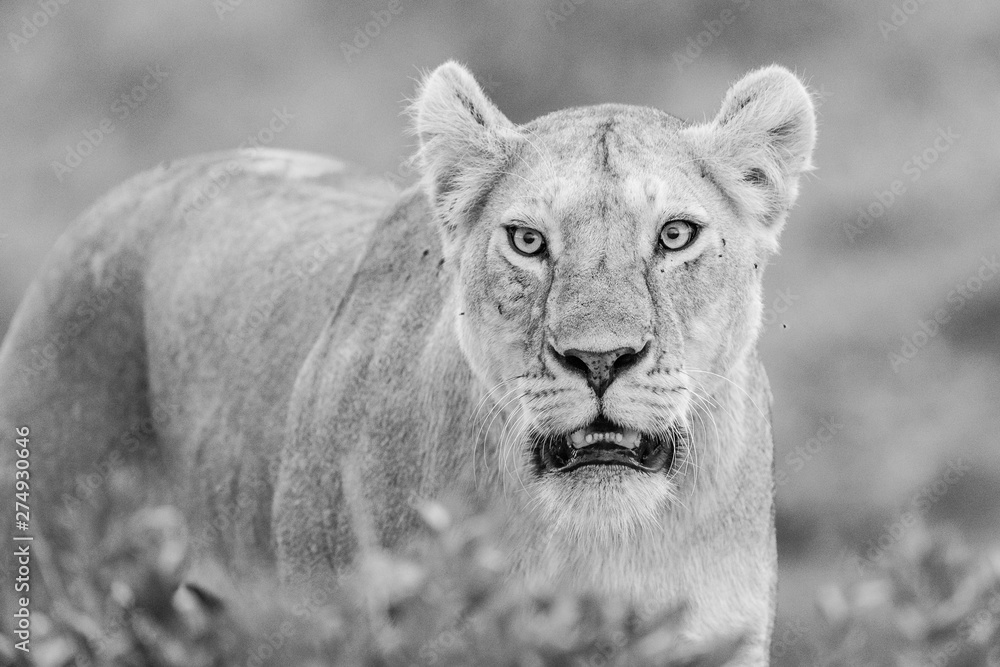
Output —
<point x="601" y="286"/>
<point x="609" y="263"/>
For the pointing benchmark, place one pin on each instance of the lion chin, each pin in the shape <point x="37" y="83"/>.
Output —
<point x="611" y="501"/>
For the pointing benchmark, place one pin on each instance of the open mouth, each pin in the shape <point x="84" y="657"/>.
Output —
<point x="604" y="443"/>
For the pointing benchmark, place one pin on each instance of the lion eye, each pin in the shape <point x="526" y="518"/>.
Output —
<point x="678" y="234"/>
<point x="526" y="241"/>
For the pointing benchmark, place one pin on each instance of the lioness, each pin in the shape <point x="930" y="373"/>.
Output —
<point x="562" y="315"/>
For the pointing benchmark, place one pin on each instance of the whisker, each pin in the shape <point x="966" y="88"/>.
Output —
<point x="500" y="407"/>
<point x="499" y="452"/>
<point x="701" y="405"/>
<point x="482" y="401"/>
<point x="508" y="444"/>
<point x="710" y="400"/>
<point x="723" y="377"/>
<point x="475" y="418"/>
<point x="668" y="417"/>
<point x="512" y="444"/>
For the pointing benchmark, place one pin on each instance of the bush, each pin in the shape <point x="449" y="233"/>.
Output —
<point x="443" y="603"/>
<point x="440" y="603"/>
<point x="931" y="602"/>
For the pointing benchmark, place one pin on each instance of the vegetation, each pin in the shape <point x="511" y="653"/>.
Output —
<point x="931" y="602"/>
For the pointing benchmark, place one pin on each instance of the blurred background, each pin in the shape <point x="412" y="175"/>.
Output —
<point x="882" y="312"/>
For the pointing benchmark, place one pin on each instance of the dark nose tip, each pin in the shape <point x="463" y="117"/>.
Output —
<point x="600" y="368"/>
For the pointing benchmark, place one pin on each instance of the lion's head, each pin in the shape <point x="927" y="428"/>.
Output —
<point x="609" y="263"/>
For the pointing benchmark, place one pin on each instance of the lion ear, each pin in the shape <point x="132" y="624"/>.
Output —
<point x="465" y="142"/>
<point x="760" y="143"/>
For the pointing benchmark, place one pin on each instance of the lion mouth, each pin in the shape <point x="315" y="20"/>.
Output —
<point x="604" y="443"/>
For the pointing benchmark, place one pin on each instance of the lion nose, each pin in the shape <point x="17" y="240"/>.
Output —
<point x="600" y="368"/>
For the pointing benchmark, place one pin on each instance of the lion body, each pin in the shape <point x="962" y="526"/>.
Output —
<point x="187" y="317"/>
<point x="311" y="358"/>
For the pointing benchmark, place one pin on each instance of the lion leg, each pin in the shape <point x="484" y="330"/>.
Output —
<point x="73" y="372"/>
